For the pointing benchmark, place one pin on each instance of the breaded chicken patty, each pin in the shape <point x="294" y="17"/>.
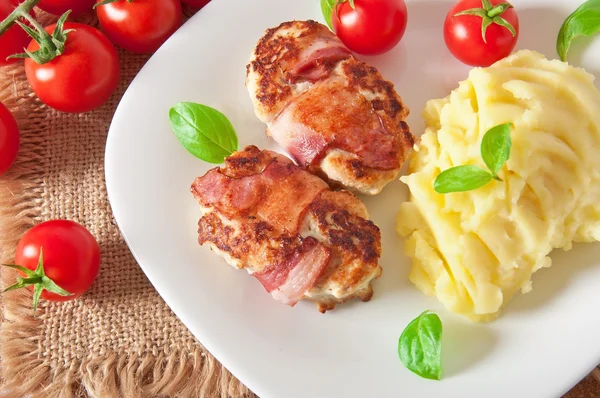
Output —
<point x="263" y="213"/>
<point x="334" y="115"/>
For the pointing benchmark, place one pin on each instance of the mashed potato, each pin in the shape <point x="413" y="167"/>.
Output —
<point x="475" y="250"/>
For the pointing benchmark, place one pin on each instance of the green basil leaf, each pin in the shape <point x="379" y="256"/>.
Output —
<point x="420" y="346"/>
<point x="584" y="21"/>
<point x="461" y="179"/>
<point x="205" y="132"/>
<point x="495" y="147"/>
<point x="327" y="9"/>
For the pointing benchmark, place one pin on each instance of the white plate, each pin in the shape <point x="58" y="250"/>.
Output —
<point x="545" y="342"/>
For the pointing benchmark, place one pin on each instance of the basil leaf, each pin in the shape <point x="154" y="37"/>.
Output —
<point x="205" y="132"/>
<point x="327" y="9"/>
<point x="495" y="147"/>
<point x="420" y="346"/>
<point x="585" y="20"/>
<point x="461" y="178"/>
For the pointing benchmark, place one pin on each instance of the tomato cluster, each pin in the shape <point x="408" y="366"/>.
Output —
<point x="476" y="32"/>
<point x="78" y="69"/>
<point x="72" y="67"/>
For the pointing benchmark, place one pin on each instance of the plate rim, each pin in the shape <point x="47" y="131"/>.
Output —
<point x="210" y="345"/>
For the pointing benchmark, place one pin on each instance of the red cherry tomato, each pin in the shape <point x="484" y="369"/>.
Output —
<point x="463" y="33"/>
<point x="196" y="3"/>
<point x="71" y="256"/>
<point x="141" y="26"/>
<point x="9" y="139"/>
<point x="14" y="40"/>
<point x="83" y="77"/>
<point x="59" y="7"/>
<point x="373" y="27"/>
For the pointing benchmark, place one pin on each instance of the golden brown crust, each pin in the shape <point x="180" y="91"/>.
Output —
<point x="364" y="295"/>
<point x="276" y="52"/>
<point x="365" y="180"/>
<point x="364" y="77"/>
<point x="354" y="236"/>
<point x="386" y="102"/>
<point x="355" y="243"/>
<point x="254" y="243"/>
<point x="249" y="161"/>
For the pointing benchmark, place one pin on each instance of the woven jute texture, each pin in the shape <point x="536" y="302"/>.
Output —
<point x="120" y="339"/>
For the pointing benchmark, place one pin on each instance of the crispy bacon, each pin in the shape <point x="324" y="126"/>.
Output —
<point x="278" y="195"/>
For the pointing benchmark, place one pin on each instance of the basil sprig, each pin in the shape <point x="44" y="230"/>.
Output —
<point x="584" y="21"/>
<point x="420" y="346"/>
<point x="495" y="151"/>
<point x="205" y="132"/>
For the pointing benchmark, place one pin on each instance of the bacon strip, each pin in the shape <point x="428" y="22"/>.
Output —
<point x="278" y="195"/>
<point x="301" y="142"/>
<point x="331" y="115"/>
<point x="289" y="280"/>
<point x="318" y="60"/>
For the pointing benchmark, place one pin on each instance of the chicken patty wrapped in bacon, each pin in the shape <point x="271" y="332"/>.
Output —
<point x="334" y="115"/>
<point x="263" y="213"/>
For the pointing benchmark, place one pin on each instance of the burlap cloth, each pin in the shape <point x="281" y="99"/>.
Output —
<point x="120" y="339"/>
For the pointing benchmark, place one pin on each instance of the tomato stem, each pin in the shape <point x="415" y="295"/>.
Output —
<point x="34" y="23"/>
<point x="30" y="281"/>
<point x="38" y="280"/>
<point x="21" y="11"/>
<point x="51" y="45"/>
<point x="498" y="10"/>
<point x="490" y="15"/>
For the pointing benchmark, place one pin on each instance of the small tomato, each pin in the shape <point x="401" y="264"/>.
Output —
<point x="481" y="32"/>
<point x="58" y="259"/>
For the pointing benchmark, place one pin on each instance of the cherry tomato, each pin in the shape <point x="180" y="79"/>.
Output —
<point x="71" y="256"/>
<point x="14" y="40"/>
<point x="140" y="26"/>
<point x="464" y="37"/>
<point x="373" y="27"/>
<point x="59" y="7"/>
<point x="9" y="139"/>
<point x="83" y="77"/>
<point x="196" y="3"/>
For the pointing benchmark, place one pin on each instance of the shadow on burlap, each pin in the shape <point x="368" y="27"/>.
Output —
<point x="120" y="339"/>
